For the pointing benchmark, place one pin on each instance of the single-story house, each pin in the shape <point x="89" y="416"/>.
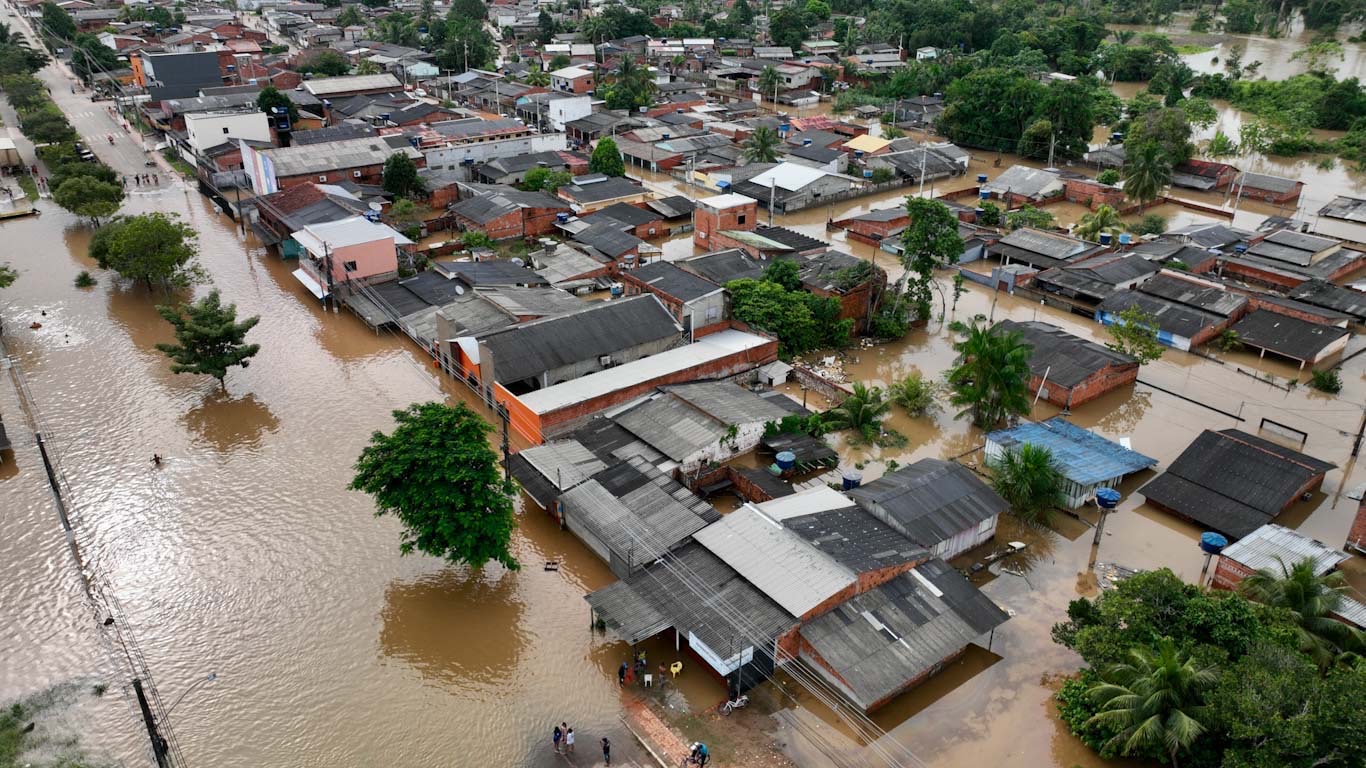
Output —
<point x="1189" y="311"/>
<point x="1068" y="370"/>
<point x="695" y="302"/>
<point x="1041" y="249"/>
<point x="1020" y="184"/>
<point x="1271" y="189"/>
<point x="1268" y="548"/>
<point x="1087" y="460"/>
<point x="1290" y="337"/>
<point x="1082" y="286"/>
<point x="1343" y="217"/>
<point x="1234" y="482"/>
<point x="958" y="514"/>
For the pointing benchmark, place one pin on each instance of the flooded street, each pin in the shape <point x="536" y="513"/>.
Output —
<point x="245" y="555"/>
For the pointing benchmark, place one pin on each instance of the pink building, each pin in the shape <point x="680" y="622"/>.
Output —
<point x="353" y="249"/>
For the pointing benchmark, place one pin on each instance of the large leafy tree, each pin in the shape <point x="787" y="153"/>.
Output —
<point x="789" y="27"/>
<point x="762" y="145"/>
<point x="57" y="25"/>
<point x="330" y="63"/>
<point x="1135" y="334"/>
<point x="90" y="57"/>
<point x="1029" y="480"/>
<point x="350" y="16"/>
<point x="801" y="321"/>
<point x="990" y="380"/>
<point x="1157" y="699"/>
<point x="401" y="178"/>
<point x="468" y="46"/>
<point x="7" y="275"/>
<point x="1168" y="129"/>
<point x="437" y="474"/>
<point x="931" y="241"/>
<point x="151" y="248"/>
<point x="270" y="98"/>
<point x="990" y="108"/>
<point x="630" y="85"/>
<point x="209" y="338"/>
<point x="606" y="158"/>
<point x="89" y="197"/>
<point x="1311" y="600"/>
<point x="1147" y="172"/>
<point x="1276" y="711"/>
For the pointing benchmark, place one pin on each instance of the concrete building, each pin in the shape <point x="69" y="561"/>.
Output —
<point x="339" y="252"/>
<point x="573" y="80"/>
<point x="1189" y="311"/>
<point x="722" y="212"/>
<point x="1343" y="218"/>
<point x="206" y="130"/>
<point x="359" y="161"/>
<point x="1268" y="548"/>
<point x="697" y="304"/>
<point x="1068" y="370"/>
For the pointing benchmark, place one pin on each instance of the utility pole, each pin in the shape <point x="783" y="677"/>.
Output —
<point x="1052" y="144"/>
<point x="772" y="192"/>
<point x="1361" y="430"/>
<point x="924" y="150"/>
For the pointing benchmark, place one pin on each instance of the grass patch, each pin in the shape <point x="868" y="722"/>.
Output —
<point x="182" y="167"/>
<point x="22" y="735"/>
<point x="29" y="186"/>
<point x="1190" y="48"/>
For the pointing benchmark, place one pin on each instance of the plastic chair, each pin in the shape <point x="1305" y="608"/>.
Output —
<point x="649" y="681"/>
<point x="676" y="667"/>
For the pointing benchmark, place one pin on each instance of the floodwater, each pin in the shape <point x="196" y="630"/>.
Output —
<point x="244" y="554"/>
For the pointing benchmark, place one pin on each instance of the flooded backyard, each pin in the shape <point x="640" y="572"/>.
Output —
<point x="245" y="556"/>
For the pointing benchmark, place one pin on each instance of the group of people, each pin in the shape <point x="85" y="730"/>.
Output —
<point x="562" y="738"/>
<point x="150" y="179"/>
<point x="634" y="671"/>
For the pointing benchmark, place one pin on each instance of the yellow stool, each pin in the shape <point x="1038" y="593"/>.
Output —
<point x="676" y="667"/>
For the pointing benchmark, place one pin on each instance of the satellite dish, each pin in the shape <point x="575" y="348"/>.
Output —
<point x="376" y="207"/>
<point x="459" y="290"/>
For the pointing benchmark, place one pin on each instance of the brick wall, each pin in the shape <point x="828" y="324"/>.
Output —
<point x="1256" y="301"/>
<point x="1092" y="193"/>
<point x="1102" y="381"/>
<point x="707" y="221"/>
<point x="1356" y="538"/>
<point x="1228" y="573"/>
<point x="369" y="174"/>
<point x="1252" y="193"/>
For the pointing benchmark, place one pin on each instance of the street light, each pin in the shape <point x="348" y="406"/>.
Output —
<point x="212" y="676"/>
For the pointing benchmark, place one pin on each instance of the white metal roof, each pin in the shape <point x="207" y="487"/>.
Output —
<point x="777" y="561"/>
<point x="819" y="498"/>
<point x="316" y="238"/>
<point x="330" y="85"/>
<point x="1261" y="548"/>
<point x="788" y="176"/>
<point x="571" y="73"/>
<point x="706" y="349"/>
<point x="722" y="202"/>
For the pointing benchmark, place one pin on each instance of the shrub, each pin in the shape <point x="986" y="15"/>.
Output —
<point x="1326" y="380"/>
<point x="1108" y="176"/>
<point x="85" y="279"/>
<point x="915" y="393"/>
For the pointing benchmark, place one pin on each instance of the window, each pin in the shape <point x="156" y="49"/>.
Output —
<point x="356" y="174"/>
<point x="713" y="314"/>
<point x="740" y="219"/>
<point x="322" y="178"/>
<point x="349" y="266"/>
<point x="985" y="525"/>
<point x="225" y="129"/>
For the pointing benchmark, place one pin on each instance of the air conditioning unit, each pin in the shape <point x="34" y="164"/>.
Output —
<point x="605" y="361"/>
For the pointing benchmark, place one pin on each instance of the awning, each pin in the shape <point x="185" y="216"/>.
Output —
<point x="627" y="613"/>
<point x="313" y="286"/>
<point x="263" y="234"/>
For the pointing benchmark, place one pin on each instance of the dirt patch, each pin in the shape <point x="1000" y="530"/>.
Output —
<point x="741" y="738"/>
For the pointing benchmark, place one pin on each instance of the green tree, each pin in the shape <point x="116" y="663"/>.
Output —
<point x="762" y="145"/>
<point x="57" y="25"/>
<point x="468" y="46"/>
<point x="1221" y="146"/>
<point x="89" y="197"/>
<point x="398" y="29"/>
<point x="1108" y="176"/>
<point x="1146" y="173"/>
<point x="1156" y="698"/>
<point x="915" y="393"/>
<point x="7" y="275"/>
<point x="330" y="63"/>
<point x="1029" y="480"/>
<point x="788" y="27"/>
<point x="90" y="57"/>
<point x="990" y="380"/>
<point x="929" y="242"/>
<point x="151" y="248"/>
<point x="1093" y="223"/>
<point x="350" y="16"/>
<point x="437" y="474"/>
<point x="368" y="67"/>
<point x="1134" y="334"/>
<point x="769" y="82"/>
<point x="1276" y="711"/>
<point x="1326" y="380"/>
<point x="469" y="9"/>
<point x="606" y="158"/>
<point x="990" y="108"/>
<point x="47" y="125"/>
<point x="545" y="25"/>
<point x="270" y="97"/>
<point x="401" y="178"/>
<point x="209" y="338"/>
<point x="784" y="272"/>
<point x="1168" y="129"/>
<point x="863" y="412"/>
<point x="1311" y="600"/>
<point x="741" y="14"/>
<point x="545" y="180"/>
<point x="802" y="322"/>
<point x="630" y="85"/>
<point x="1029" y="216"/>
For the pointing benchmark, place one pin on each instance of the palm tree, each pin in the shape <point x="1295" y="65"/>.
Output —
<point x="1156" y="699"/>
<point x="862" y="411"/>
<point x="1029" y="481"/>
<point x="762" y="145"/>
<point x="635" y="79"/>
<point x="1146" y="173"/>
<point x="596" y="28"/>
<point x="990" y="380"/>
<point x="1311" y="599"/>
<point x="677" y="61"/>
<point x="1103" y="219"/>
<point x="538" y="78"/>
<point x="769" y="80"/>
<point x="1122" y="36"/>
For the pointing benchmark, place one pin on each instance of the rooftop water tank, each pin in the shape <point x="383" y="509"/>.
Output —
<point x="1107" y="498"/>
<point x="1105" y="238"/>
<point x="562" y="218"/>
<point x="1125" y="238"/>
<point x="851" y="479"/>
<point x="786" y="460"/>
<point x="1212" y="543"/>
<point x="984" y="195"/>
<point x="981" y="178"/>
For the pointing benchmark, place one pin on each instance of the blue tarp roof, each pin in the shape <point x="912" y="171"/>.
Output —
<point x="1083" y="457"/>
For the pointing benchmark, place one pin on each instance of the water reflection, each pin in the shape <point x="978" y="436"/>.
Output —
<point x="1125" y="409"/>
<point x="226" y="423"/>
<point x="454" y="627"/>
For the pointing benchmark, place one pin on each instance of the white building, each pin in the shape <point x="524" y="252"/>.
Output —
<point x="1343" y="218"/>
<point x="206" y="130"/>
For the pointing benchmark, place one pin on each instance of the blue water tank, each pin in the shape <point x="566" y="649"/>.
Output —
<point x="1212" y="542"/>
<point x="562" y="218"/>
<point x="1105" y="238"/>
<point x="981" y="178"/>
<point x="867" y="173"/>
<point x="786" y="460"/>
<point x="806" y="142"/>
<point x="1125" y="238"/>
<point x="1107" y="498"/>
<point x="851" y="479"/>
<point x="858" y="153"/>
<point x="984" y="195"/>
<point x="1240" y="248"/>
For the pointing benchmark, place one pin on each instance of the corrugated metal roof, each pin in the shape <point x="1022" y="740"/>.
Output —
<point x="1082" y="456"/>
<point x="780" y="563"/>
<point x="855" y="538"/>
<point x="880" y="640"/>
<point x="565" y="463"/>
<point x="1272" y="545"/>
<point x="1286" y="335"/>
<point x="727" y="402"/>
<point x="1067" y="360"/>
<point x="820" y="498"/>
<point x="672" y="426"/>
<point x="930" y="501"/>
